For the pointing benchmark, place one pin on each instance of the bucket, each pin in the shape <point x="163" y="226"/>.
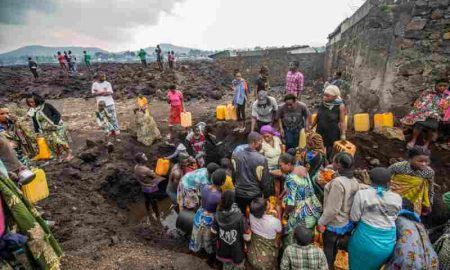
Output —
<point x="185" y="221"/>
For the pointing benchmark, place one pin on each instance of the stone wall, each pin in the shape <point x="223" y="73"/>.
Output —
<point x="393" y="53"/>
<point x="311" y="64"/>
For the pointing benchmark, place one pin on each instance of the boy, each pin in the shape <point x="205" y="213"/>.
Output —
<point x="87" y="60"/>
<point x="105" y="122"/>
<point x="149" y="182"/>
<point x="303" y="254"/>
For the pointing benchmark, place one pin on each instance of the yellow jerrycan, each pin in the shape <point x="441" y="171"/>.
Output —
<point x="37" y="189"/>
<point x="186" y="119"/>
<point x="361" y="122"/>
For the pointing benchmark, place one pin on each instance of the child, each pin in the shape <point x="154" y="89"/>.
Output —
<point x="266" y="231"/>
<point x="229" y="226"/>
<point x="197" y="142"/>
<point x="240" y="98"/>
<point x="105" y="122"/>
<point x="225" y="163"/>
<point x="175" y="99"/>
<point x="303" y="254"/>
<point x="149" y="182"/>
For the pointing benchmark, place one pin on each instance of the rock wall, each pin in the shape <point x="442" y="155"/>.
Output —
<point x="311" y="65"/>
<point x="389" y="51"/>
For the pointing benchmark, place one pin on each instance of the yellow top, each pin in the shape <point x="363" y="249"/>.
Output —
<point x="228" y="185"/>
<point x="142" y="102"/>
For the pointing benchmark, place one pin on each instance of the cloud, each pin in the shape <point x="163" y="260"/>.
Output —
<point x="97" y="20"/>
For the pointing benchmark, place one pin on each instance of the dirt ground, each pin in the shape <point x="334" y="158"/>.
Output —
<point x="96" y="203"/>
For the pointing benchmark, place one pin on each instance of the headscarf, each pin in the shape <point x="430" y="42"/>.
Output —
<point x="333" y="90"/>
<point x="268" y="129"/>
<point x="446" y="199"/>
<point x="314" y="142"/>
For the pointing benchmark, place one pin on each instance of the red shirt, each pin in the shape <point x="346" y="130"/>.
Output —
<point x="61" y="58"/>
<point x="197" y="143"/>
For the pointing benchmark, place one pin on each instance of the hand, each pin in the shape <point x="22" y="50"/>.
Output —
<point x="321" y="228"/>
<point x="426" y="211"/>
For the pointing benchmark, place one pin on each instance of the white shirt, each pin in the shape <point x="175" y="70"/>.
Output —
<point x="268" y="226"/>
<point x="103" y="87"/>
<point x="380" y="212"/>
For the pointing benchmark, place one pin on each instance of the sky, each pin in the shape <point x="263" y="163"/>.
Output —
<point x="118" y="25"/>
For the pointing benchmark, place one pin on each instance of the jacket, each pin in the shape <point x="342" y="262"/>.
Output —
<point x="251" y="174"/>
<point x="50" y="113"/>
<point x="229" y="227"/>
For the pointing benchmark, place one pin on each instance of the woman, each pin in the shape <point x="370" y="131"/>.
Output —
<point x="240" y="98"/>
<point x="302" y="205"/>
<point x="375" y="210"/>
<point x="211" y="151"/>
<point x="314" y="159"/>
<point x="272" y="147"/>
<point x="331" y="118"/>
<point x="31" y="232"/>
<point x="335" y="221"/>
<point x="229" y="228"/>
<point x="47" y="122"/>
<point x="147" y="130"/>
<point x="201" y="236"/>
<point x="175" y="99"/>
<point x="413" y="249"/>
<point x="414" y="179"/>
<point x="427" y="111"/>
<point x="266" y="229"/>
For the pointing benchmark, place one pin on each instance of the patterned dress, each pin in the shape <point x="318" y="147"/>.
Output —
<point x="429" y="105"/>
<point x="413" y="249"/>
<point x="307" y="208"/>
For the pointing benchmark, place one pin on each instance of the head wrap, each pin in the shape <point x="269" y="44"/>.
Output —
<point x="268" y="129"/>
<point x="314" y="142"/>
<point x="332" y="90"/>
<point x="446" y="199"/>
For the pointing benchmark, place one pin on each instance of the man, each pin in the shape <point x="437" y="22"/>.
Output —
<point x="142" y="55"/>
<point x="337" y="80"/>
<point x="264" y="111"/>
<point x="292" y="117"/>
<point x="159" y="57"/>
<point x="251" y="172"/>
<point x="19" y="139"/>
<point x="102" y="90"/>
<point x="72" y="62"/>
<point x="262" y="83"/>
<point x="294" y="80"/>
<point x="87" y="60"/>
<point x="177" y="172"/>
<point x="33" y="67"/>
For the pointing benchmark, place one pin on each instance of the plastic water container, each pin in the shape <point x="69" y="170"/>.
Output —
<point x="388" y="119"/>
<point x="383" y="120"/>
<point x="302" y="139"/>
<point x="162" y="167"/>
<point x="186" y="119"/>
<point x="221" y="112"/>
<point x="230" y="113"/>
<point x="361" y="122"/>
<point x="37" y="189"/>
<point x="44" y="151"/>
<point x="378" y="120"/>
<point x="344" y="146"/>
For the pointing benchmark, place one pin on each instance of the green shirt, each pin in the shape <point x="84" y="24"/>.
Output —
<point x="87" y="58"/>
<point x="142" y="55"/>
<point x="306" y="258"/>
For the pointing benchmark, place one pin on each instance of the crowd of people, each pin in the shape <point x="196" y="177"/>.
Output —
<point x="272" y="203"/>
<point x="142" y="54"/>
<point x="267" y="203"/>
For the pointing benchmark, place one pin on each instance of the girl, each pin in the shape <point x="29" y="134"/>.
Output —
<point x="240" y="98"/>
<point x="175" y="99"/>
<point x="104" y="121"/>
<point x="47" y="122"/>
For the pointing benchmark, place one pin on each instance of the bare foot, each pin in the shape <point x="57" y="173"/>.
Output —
<point x="69" y="157"/>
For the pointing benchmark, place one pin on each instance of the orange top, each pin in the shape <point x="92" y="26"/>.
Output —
<point x="142" y="103"/>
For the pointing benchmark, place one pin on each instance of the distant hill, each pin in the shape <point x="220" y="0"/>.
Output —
<point x="37" y="50"/>
<point x="170" y="47"/>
